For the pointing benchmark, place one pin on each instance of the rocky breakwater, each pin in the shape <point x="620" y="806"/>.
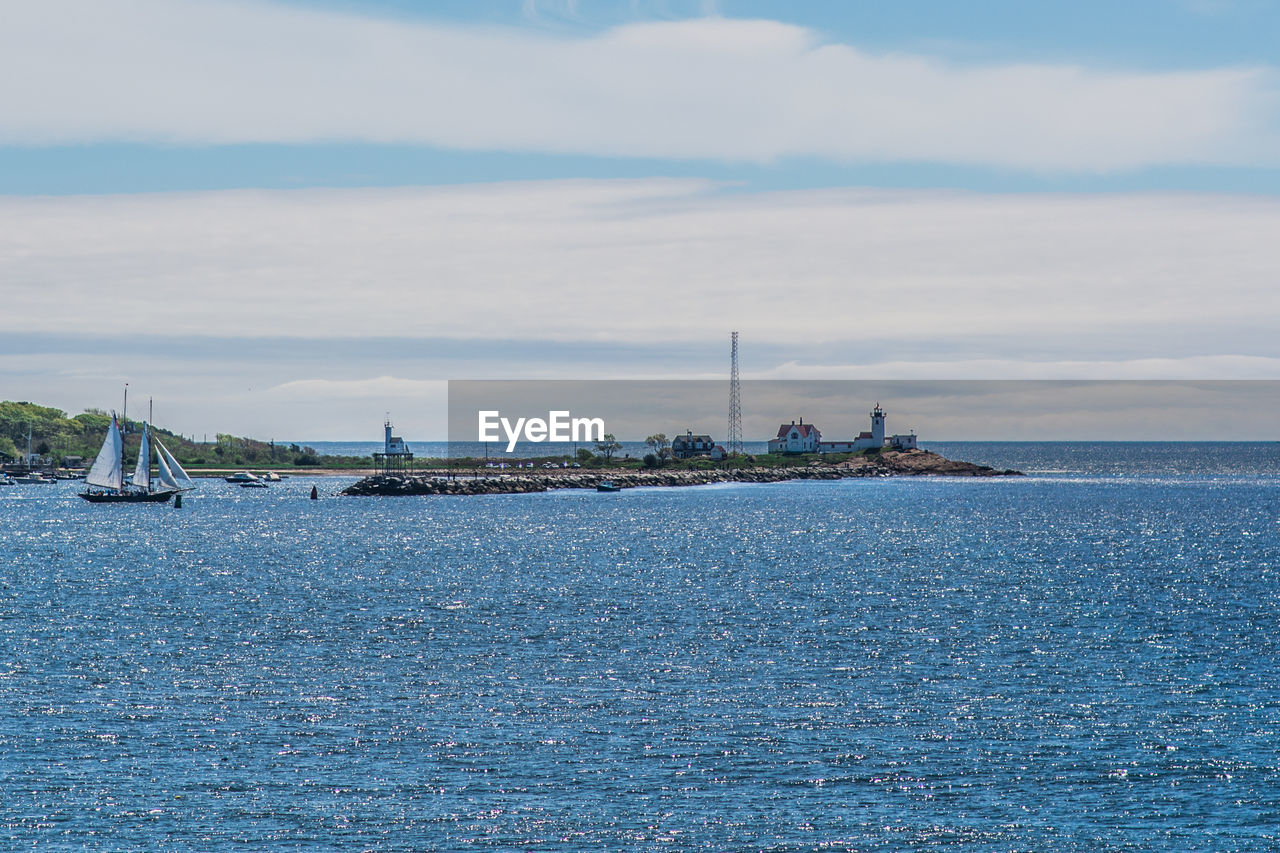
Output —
<point x="887" y="464"/>
<point x="925" y="463"/>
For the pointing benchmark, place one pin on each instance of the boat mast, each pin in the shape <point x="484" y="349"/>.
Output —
<point x="124" y="424"/>
<point x="150" y="417"/>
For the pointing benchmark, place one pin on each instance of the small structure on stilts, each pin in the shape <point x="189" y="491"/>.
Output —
<point x="395" y="458"/>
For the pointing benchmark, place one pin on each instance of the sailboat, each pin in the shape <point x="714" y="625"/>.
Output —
<point x="31" y="477"/>
<point x="107" y="472"/>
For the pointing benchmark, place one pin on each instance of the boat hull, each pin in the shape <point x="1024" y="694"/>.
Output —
<point x="127" y="498"/>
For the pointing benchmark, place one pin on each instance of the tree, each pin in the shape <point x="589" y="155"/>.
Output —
<point x="609" y="446"/>
<point x="658" y="442"/>
<point x="584" y="455"/>
<point x="92" y="422"/>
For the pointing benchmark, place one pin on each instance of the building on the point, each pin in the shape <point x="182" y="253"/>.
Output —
<point x="872" y="439"/>
<point x="395" y="455"/>
<point x="688" y="446"/>
<point x="796" y="438"/>
<point x="903" y="442"/>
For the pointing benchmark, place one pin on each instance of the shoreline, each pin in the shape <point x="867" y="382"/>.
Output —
<point x="913" y="463"/>
<point x="285" y="473"/>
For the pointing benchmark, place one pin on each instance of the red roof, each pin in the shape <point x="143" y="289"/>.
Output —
<point x="803" y="429"/>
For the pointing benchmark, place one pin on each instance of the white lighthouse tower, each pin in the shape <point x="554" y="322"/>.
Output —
<point x="877" y="426"/>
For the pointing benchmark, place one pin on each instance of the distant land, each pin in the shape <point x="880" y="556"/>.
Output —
<point x="62" y="441"/>
<point x="886" y="463"/>
<point x="59" y="439"/>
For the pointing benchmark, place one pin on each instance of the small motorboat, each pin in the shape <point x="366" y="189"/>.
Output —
<point x="34" y="478"/>
<point x="608" y="486"/>
<point x="6" y="480"/>
<point x="242" y="478"/>
<point x="272" y="477"/>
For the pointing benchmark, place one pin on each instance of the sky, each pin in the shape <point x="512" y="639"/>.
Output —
<point x="291" y="219"/>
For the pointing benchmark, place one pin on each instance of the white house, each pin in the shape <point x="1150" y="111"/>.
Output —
<point x="903" y="442"/>
<point x="796" y="438"/>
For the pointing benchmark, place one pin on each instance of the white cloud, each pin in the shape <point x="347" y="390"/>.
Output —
<point x="328" y="409"/>
<point x="203" y="72"/>
<point x="376" y="387"/>
<point x="1192" y="367"/>
<point x="1038" y="278"/>
<point x="538" y="279"/>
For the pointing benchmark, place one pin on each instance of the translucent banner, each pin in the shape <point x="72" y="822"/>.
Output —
<point x="560" y="418"/>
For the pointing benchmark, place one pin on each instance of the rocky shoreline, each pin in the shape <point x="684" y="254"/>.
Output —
<point x="910" y="463"/>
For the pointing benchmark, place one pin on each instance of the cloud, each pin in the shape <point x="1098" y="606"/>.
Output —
<point x="197" y="72"/>
<point x="1193" y="367"/>
<point x="256" y="311"/>
<point x="372" y="388"/>
<point x="334" y="409"/>
<point x="874" y="276"/>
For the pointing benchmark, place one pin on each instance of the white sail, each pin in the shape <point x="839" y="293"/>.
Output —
<point x="166" y="476"/>
<point x="142" y="471"/>
<point x="180" y="478"/>
<point x="106" y="471"/>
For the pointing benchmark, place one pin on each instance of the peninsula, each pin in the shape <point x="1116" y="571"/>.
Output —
<point x="63" y="446"/>
<point x="888" y="463"/>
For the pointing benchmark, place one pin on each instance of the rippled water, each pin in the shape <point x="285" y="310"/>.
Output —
<point x="1061" y="662"/>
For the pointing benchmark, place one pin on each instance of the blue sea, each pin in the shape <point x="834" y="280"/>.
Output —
<point x="1083" y="659"/>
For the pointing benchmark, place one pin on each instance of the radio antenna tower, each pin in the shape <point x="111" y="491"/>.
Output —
<point x="735" y="401"/>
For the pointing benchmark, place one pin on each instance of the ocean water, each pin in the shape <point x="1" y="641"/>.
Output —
<point x="1082" y="659"/>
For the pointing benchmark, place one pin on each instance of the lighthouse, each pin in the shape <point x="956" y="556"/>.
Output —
<point x="395" y="455"/>
<point x="877" y="426"/>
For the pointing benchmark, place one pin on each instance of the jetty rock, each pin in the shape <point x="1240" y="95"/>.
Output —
<point x="926" y="462"/>
<point x="906" y="463"/>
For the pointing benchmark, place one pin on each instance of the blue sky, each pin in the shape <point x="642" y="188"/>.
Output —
<point x="308" y="212"/>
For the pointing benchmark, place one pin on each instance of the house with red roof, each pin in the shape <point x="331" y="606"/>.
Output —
<point x="796" y="438"/>
<point x="806" y="438"/>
